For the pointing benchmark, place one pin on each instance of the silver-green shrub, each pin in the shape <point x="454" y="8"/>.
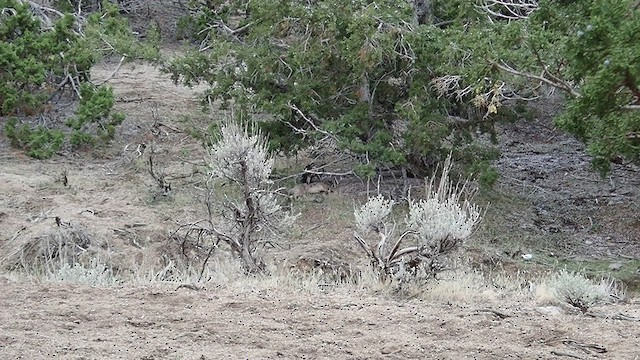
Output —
<point x="251" y="213"/>
<point x="434" y="227"/>
<point x="578" y="291"/>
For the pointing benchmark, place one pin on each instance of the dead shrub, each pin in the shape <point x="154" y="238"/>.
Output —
<point x="64" y="245"/>
<point x="328" y="263"/>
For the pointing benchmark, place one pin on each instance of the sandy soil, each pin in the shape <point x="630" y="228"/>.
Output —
<point x="45" y="321"/>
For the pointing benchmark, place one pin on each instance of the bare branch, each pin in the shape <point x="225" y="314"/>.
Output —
<point x="310" y="122"/>
<point x="562" y="85"/>
<point x="114" y="71"/>
<point x="509" y="10"/>
<point x="42" y="13"/>
<point x="449" y="85"/>
<point x="229" y="32"/>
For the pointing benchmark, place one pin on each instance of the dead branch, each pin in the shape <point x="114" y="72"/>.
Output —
<point x="310" y="121"/>
<point x="189" y="286"/>
<point x="114" y="71"/>
<point x="509" y="10"/>
<point x="70" y="81"/>
<point x="497" y="313"/>
<point x="45" y="14"/>
<point x="562" y="85"/>
<point x="558" y="353"/>
<point x="316" y="172"/>
<point x="15" y="236"/>
<point x="613" y="317"/>
<point x="449" y="86"/>
<point x="224" y="29"/>
<point x="556" y="82"/>
<point x="586" y="347"/>
<point x="194" y="235"/>
<point x="160" y="177"/>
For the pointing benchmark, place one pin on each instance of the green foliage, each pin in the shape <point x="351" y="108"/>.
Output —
<point x="94" y="109"/>
<point x="605" y="56"/>
<point x="187" y="28"/>
<point x="588" y="49"/>
<point x="40" y="142"/>
<point x="485" y="174"/>
<point x="358" y="72"/>
<point x="387" y="88"/>
<point x="475" y="160"/>
<point x="108" y="33"/>
<point x="29" y="57"/>
<point x="42" y="63"/>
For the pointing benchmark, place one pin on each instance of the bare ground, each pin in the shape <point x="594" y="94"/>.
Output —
<point x="551" y="198"/>
<point x="44" y="321"/>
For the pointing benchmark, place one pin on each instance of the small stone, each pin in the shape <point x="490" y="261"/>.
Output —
<point x="390" y="349"/>
<point x="549" y="310"/>
<point x="615" y="266"/>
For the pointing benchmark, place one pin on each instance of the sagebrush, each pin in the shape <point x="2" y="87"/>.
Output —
<point x="433" y="228"/>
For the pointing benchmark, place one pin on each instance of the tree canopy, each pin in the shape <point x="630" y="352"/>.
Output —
<point x="45" y="60"/>
<point x="404" y="83"/>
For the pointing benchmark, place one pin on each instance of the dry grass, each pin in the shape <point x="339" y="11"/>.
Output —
<point x="225" y="272"/>
<point x="72" y="253"/>
<point x="51" y="249"/>
<point x="579" y="291"/>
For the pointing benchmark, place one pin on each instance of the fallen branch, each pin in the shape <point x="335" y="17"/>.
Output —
<point x="558" y="353"/>
<point x="15" y="236"/>
<point x="497" y="313"/>
<point x="586" y="347"/>
<point x="189" y="286"/>
<point x="613" y="317"/>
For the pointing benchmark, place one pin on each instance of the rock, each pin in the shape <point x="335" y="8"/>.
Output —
<point x="490" y="295"/>
<point x="615" y="266"/>
<point x="549" y="310"/>
<point x="390" y="349"/>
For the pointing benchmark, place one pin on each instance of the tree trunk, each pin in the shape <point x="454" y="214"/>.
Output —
<point x="249" y="262"/>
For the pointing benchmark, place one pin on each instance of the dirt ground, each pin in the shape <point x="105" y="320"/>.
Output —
<point x="547" y="198"/>
<point x="61" y="321"/>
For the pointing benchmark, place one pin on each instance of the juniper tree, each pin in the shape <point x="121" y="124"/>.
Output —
<point x="46" y="56"/>
<point x="588" y="51"/>
<point x="403" y="83"/>
<point x="354" y="74"/>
